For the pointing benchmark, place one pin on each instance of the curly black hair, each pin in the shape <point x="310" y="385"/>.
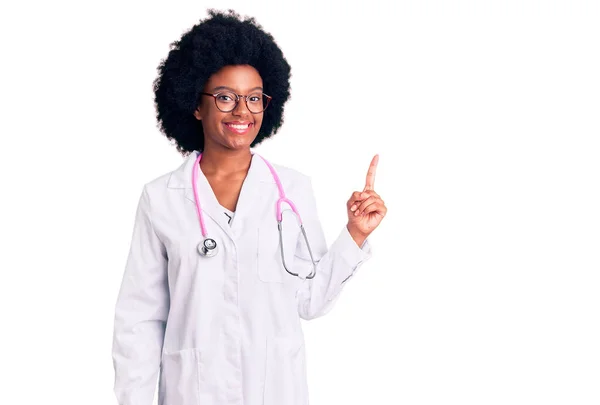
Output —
<point x="219" y="40"/>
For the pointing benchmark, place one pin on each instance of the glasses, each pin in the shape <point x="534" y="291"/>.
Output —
<point x="227" y="101"/>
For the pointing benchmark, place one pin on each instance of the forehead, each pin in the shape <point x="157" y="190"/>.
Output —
<point x="239" y="78"/>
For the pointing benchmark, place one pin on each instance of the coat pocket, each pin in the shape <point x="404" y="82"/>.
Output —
<point x="180" y="378"/>
<point x="269" y="260"/>
<point x="285" y="376"/>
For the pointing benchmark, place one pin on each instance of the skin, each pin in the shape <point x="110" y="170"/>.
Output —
<point x="226" y="152"/>
<point x="365" y="208"/>
<point x="226" y="156"/>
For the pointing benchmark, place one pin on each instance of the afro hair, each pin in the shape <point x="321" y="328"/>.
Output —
<point x="220" y="40"/>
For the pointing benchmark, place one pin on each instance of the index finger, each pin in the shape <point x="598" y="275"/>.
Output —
<point x="370" y="183"/>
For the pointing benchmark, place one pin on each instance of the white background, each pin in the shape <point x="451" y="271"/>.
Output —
<point x="484" y="285"/>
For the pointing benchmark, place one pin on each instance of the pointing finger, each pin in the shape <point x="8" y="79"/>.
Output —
<point x="370" y="183"/>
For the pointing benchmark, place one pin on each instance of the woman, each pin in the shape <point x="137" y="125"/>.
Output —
<point x="222" y="325"/>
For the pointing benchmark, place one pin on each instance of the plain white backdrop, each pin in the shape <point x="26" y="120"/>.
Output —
<point x="484" y="285"/>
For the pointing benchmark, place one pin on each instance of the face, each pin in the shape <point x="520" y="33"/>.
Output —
<point x="237" y="129"/>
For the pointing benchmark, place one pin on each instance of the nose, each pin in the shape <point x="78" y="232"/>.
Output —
<point x="241" y="108"/>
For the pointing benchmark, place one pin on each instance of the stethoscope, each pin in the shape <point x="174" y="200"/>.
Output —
<point x="208" y="247"/>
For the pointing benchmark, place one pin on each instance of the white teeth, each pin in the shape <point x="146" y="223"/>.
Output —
<point x="240" y="127"/>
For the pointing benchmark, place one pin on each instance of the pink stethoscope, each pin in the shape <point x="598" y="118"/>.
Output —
<point x="208" y="247"/>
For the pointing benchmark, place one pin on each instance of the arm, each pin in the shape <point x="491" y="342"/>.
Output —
<point x="141" y="313"/>
<point x="335" y="265"/>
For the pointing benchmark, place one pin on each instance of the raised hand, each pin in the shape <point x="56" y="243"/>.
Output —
<point x="365" y="208"/>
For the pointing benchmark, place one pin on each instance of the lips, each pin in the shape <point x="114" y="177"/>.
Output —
<point x="238" y="127"/>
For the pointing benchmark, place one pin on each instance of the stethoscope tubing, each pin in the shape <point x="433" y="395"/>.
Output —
<point x="282" y="199"/>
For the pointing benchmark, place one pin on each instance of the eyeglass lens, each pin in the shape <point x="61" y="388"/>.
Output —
<point x="256" y="102"/>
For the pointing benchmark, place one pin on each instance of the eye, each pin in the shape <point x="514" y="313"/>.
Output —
<point x="225" y="97"/>
<point x="255" y="98"/>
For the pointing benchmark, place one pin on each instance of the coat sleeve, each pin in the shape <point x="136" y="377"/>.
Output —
<point x="141" y="313"/>
<point x="335" y="266"/>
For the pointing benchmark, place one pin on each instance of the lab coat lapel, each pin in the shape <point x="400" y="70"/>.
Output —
<point x="181" y="178"/>
<point x="252" y="194"/>
<point x="257" y="184"/>
<point x="209" y="203"/>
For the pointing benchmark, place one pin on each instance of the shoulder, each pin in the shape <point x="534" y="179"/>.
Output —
<point x="297" y="186"/>
<point x="175" y="179"/>
<point x="289" y="172"/>
<point x="158" y="184"/>
<point x="291" y="175"/>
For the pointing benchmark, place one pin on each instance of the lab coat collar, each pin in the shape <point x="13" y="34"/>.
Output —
<point x="258" y="177"/>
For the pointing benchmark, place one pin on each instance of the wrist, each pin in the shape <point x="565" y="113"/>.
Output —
<point x="358" y="236"/>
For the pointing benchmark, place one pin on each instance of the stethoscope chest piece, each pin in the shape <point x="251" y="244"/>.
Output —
<point x="207" y="248"/>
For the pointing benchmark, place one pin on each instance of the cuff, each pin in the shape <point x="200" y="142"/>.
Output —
<point x="347" y="248"/>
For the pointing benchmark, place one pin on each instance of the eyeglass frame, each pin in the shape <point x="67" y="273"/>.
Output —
<point x="237" y="100"/>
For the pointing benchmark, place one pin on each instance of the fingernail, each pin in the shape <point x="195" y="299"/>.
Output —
<point x="353" y="208"/>
<point x="356" y="213"/>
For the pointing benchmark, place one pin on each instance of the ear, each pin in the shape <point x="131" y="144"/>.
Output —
<point x="198" y="114"/>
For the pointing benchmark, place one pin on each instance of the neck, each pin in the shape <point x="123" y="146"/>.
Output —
<point x="225" y="162"/>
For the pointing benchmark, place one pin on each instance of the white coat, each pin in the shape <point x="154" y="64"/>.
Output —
<point x="224" y="330"/>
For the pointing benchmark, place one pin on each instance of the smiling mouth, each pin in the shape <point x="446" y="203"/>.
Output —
<point x="239" y="128"/>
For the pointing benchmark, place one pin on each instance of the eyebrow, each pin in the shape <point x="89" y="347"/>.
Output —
<point x="229" y="88"/>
